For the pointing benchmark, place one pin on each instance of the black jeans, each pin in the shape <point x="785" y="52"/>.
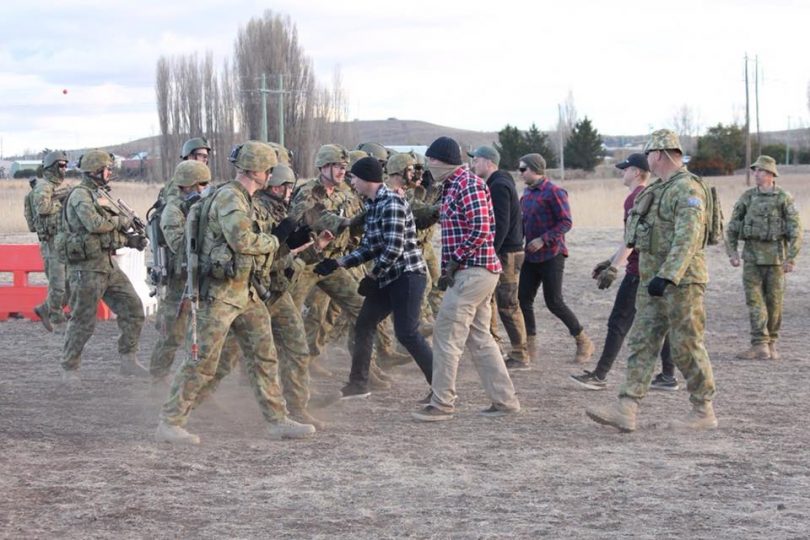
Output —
<point x="403" y="298"/>
<point x="619" y="323"/>
<point x="549" y="274"/>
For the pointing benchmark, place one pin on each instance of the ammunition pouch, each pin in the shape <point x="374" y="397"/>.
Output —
<point x="80" y="247"/>
<point x="638" y="231"/>
<point x="219" y="264"/>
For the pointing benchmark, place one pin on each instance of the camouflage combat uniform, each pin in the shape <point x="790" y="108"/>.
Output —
<point x="90" y="235"/>
<point x="171" y="320"/>
<point x="420" y="201"/>
<point x="768" y="224"/>
<point x="47" y="211"/>
<point x="230" y="249"/>
<point x="668" y="227"/>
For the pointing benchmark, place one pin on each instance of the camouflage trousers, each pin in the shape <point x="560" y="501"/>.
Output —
<point x="505" y="303"/>
<point x="764" y="292"/>
<point x="433" y="294"/>
<point x="55" y="271"/>
<point x="290" y="341"/>
<point x="215" y="319"/>
<point x="86" y="289"/>
<point x="681" y="313"/>
<point x="172" y="323"/>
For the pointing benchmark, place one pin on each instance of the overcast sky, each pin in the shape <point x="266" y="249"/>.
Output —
<point x="475" y="65"/>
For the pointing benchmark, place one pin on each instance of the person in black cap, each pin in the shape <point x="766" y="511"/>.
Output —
<point x="396" y="283"/>
<point x="636" y="173"/>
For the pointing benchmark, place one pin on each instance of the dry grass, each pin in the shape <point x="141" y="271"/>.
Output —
<point x="138" y="196"/>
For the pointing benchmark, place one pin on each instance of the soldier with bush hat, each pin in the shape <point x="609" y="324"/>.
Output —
<point x="766" y="220"/>
<point x="230" y="252"/>
<point x="669" y="226"/>
<point x="92" y="230"/>
<point x="46" y="206"/>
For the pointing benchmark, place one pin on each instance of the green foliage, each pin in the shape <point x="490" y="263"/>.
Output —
<point x="776" y="151"/>
<point x="25" y="173"/>
<point x="512" y="144"/>
<point x="584" y="147"/>
<point x="720" y="151"/>
<point x="802" y="156"/>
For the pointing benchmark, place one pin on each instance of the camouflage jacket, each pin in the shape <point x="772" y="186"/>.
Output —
<point x="173" y="227"/>
<point x="424" y="206"/>
<point x="768" y="223"/>
<point x="30" y="215"/>
<point x="47" y="208"/>
<point x="314" y="206"/>
<point x="668" y="227"/>
<point x="232" y="237"/>
<point x="91" y="227"/>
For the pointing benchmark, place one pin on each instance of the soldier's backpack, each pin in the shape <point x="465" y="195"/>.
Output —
<point x="714" y="223"/>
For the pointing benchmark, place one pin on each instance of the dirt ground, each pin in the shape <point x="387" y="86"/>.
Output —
<point x="82" y="463"/>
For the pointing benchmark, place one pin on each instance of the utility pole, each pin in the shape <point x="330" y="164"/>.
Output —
<point x="756" y="101"/>
<point x="747" y="129"/>
<point x="562" y="141"/>
<point x="264" y="91"/>
<point x="787" y="144"/>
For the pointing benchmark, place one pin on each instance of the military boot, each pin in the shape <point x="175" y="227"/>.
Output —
<point x="393" y="359"/>
<point x="131" y="366"/>
<point x="303" y="416"/>
<point x="757" y="351"/>
<point x="584" y="348"/>
<point x="174" y="434"/>
<point x="289" y="429"/>
<point x="775" y="354"/>
<point x="700" y="417"/>
<point x="375" y="382"/>
<point x="44" y="316"/>
<point x="531" y="345"/>
<point x="621" y="415"/>
<point x="317" y="369"/>
<point x="71" y="377"/>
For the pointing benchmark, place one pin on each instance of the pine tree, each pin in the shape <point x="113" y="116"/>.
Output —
<point x="584" y="147"/>
<point x="537" y="142"/>
<point x="511" y="145"/>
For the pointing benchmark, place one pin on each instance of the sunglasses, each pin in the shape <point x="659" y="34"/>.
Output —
<point x="62" y="165"/>
<point x="522" y="169"/>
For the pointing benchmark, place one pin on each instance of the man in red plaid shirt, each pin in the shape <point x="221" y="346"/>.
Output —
<point x="470" y="272"/>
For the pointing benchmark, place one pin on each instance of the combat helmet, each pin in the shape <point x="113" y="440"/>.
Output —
<point x="253" y="156"/>
<point x="331" y="153"/>
<point x="398" y="163"/>
<point x="191" y="173"/>
<point x="282" y="174"/>
<point x="355" y="156"/>
<point x="95" y="160"/>
<point x="374" y="150"/>
<point x="284" y="154"/>
<point x="194" y="144"/>
<point x="53" y="157"/>
<point x="663" y="139"/>
<point x="766" y="163"/>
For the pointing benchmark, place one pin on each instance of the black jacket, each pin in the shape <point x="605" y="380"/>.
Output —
<point x="508" y="222"/>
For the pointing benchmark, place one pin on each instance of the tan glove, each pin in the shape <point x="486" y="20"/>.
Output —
<point x="606" y="277"/>
<point x="598" y="269"/>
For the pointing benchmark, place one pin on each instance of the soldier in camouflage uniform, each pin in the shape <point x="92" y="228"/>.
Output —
<point x="92" y="229"/>
<point x="668" y="225"/>
<point x="271" y="205"/>
<point x="183" y="190"/>
<point x="767" y="221"/>
<point x="231" y="252"/>
<point x="46" y="206"/>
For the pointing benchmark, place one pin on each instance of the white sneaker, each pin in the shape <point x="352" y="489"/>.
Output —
<point x="174" y="434"/>
<point x="289" y="429"/>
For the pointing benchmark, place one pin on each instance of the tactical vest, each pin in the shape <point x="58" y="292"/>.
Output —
<point x="82" y="245"/>
<point x="30" y="214"/>
<point x="764" y="219"/>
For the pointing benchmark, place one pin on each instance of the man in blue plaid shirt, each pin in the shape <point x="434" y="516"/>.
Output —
<point x="396" y="283"/>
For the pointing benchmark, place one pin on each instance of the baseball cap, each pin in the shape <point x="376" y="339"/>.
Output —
<point x="634" y="160"/>
<point x="486" y="152"/>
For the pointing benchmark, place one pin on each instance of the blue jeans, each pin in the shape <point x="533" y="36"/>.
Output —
<point x="403" y="298"/>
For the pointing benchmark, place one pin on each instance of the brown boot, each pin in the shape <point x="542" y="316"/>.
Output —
<point x="757" y="351"/>
<point x="584" y="348"/>
<point x="621" y="415"/>
<point x="376" y="383"/>
<point x="390" y="360"/>
<point x="316" y="369"/>
<point x="44" y="316"/>
<point x="700" y="417"/>
<point x="304" y="417"/>
<point x="775" y="355"/>
<point x="531" y="345"/>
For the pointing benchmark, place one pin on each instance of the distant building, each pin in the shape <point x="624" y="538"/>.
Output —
<point x="23" y="164"/>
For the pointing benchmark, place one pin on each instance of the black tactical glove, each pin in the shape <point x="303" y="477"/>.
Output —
<point x="326" y="267"/>
<point x="447" y="279"/>
<point x="299" y="237"/>
<point x="606" y="277"/>
<point x="283" y="230"/>
<point x="367" y="286"/>
<point x="136" y="241"/>
<point x="657" y="286"/>
<point x="598" y="269"/>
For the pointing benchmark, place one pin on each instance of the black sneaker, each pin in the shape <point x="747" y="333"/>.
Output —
<point x="431" y="414"/>
<point x="354" y="390"/>
<point x="664" y="382"/>
<point x="590" y="381"/>
<point x="516" y="365"/>
<point x="494" y="412"/>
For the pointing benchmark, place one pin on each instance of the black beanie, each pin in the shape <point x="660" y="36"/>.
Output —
<point x="368" y="169"/>
<point x="445" y="150"/>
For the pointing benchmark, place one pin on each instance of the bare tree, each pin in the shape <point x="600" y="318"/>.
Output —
<point x="568" y="118"/>
<point x="686" y="123"/>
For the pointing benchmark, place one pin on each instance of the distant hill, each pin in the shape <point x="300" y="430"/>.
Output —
<point x="413" y="132"/>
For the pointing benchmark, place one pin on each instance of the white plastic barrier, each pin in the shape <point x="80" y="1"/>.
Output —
<point x="133" y="263"/>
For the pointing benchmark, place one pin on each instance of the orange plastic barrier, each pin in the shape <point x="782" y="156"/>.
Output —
<point x="19" y="298"/>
